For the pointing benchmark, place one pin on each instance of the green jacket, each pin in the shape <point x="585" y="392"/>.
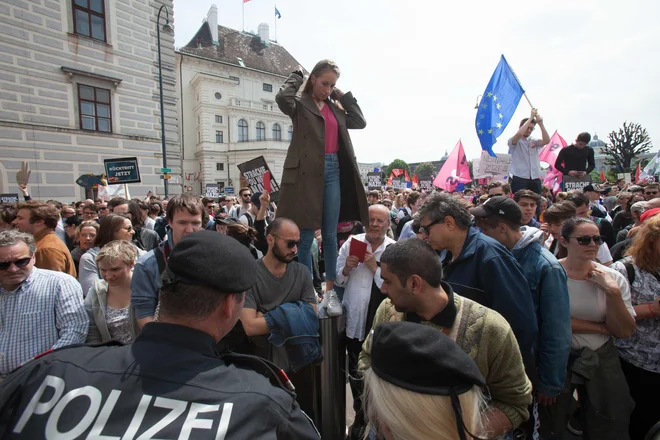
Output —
<point x="488" y="339"/>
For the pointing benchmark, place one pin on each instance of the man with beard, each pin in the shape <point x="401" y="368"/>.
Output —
<point x="280" y="280"/>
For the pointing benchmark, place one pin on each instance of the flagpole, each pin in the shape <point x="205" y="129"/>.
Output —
<point x="276" y="24"/>
<point x="243" y="15"/>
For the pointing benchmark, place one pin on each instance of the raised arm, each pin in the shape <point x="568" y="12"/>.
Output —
<point x="545" y="137"/>
<point x="521" y="131"/>
<point x="286" y="97"/>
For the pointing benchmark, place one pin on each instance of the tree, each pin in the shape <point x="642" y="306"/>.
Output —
<point x="626" y="144"/>
<point x="397" y="163"/>
<point x="425" y="170"/>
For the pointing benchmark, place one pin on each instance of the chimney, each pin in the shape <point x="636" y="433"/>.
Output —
<point x="264" y="31"/>
<point x="212" y="19"/>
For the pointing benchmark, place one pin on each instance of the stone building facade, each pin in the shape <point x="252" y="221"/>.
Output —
<point x="79" y="84"/>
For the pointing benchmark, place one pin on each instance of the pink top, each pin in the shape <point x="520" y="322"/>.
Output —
<point x="331" y="130"/>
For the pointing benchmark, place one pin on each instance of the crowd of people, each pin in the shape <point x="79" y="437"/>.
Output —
<point x="487" y="313"/>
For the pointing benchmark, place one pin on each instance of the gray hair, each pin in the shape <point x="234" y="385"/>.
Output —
<point x="11" y="237"/>
<point x="639" y="207"/>
<point x="441" y="205"/>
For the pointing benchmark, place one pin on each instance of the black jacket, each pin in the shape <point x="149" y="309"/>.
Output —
<point x="167" y="384"/>
<point x="572" y="158"/>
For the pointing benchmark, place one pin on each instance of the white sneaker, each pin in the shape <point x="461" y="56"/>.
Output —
<point x="333" y="305"/>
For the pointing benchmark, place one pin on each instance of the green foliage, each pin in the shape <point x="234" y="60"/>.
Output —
<point x="425" y="170"/>
<point x="626" y="144"/>
<point x="397" y="163"/>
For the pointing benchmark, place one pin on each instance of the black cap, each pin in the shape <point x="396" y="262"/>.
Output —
<point x="419" y="358"/>
<point x="605" y="191"/>
<point x="255" y="199"/>
<point x="501" y="206"/>
<point x="211" y="259"/>
<point x="589" y="188"/>
<point x="224" y="219"/>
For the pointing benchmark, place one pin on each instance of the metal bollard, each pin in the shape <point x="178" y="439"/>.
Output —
<point x="331" y="380"/>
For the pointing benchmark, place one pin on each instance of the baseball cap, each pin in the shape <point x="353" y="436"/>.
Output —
<point x="501" y="206"/>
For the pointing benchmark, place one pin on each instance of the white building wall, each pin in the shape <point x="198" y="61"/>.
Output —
<point x="200" y="80"/>
<point x="39" y="115"/>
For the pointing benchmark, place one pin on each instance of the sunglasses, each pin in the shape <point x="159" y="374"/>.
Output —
<point x="584" y="240"/>
<point x="246" y="195"/>
<point x="426" y="229"/>
<point x="290" y="243"/>
<point x="21" y="262"/>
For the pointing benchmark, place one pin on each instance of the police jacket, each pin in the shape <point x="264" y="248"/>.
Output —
<point x="168" y="384"/>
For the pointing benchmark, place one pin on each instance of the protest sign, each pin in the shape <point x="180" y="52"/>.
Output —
<point x="229" y="190"/>
<point x="576" y="183"/>
<point x="253" y="171"/>
<point x="426" y="185"/>
<point x="626" y="176"/>
<point x="8" y="198"/>
<point x="374" y="181"/>
<point x="212" y="191"/>
<point x="122" y="170"/>
<point x="488" y="165"/>
<point x="89" y="180"/>
<point x="111" y="191"/>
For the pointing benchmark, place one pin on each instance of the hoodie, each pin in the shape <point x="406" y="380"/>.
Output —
<point x="548" y="286"/>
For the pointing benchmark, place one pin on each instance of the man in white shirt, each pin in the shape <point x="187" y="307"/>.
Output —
<point x="362" y="282"/>
<point x="525" y="165"/>
<point x="238" y="210"/>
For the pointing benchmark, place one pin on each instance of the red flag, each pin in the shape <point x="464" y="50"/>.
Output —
<point x="549" y="155"/>
<point x="454" y="171"/>
<point x="397" y="172"/>
<point x="407" y="177"/>
<point x="638" y="172"/>
<point x="245" y="1"/>
<point x="415" y="179"/>
<point x="267" y="186"/>
<point x="602" y="176"/>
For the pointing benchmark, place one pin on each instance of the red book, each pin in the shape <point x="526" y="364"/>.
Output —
<point x="358" y="248"/>
<point x="267" y="186"/>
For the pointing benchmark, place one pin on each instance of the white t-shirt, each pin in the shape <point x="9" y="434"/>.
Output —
<point x="589" y="303"/>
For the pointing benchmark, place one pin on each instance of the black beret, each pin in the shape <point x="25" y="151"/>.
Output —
<point x="419" y="358"/>
<point x="211" y="259"/>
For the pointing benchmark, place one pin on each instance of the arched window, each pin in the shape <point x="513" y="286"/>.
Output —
<point x="277" y="132"/>
<point x="290" y="132"/>
<point x="242" y="130"/>
<point x="261" y="131"/>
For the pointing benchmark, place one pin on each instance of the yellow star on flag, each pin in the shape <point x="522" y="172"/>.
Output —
<point x="489" y="94"/>
<point x="494" y="97"/>
<point x="501" y="116"/>
<point x="498" y="106"/>
<point x="498" y="125"/>
<point x="484" y="105"/>
<point x="481" y="132"/>
<point x="490" y="131"/>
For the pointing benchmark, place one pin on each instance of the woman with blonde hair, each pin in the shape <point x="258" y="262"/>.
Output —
<point x="108" y="302"/>
<point x="321" y="183"/>
<point x="421" y="385"/>
<point x="640" y="353"/>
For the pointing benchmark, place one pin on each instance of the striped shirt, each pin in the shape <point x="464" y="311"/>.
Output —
<point x="46" y="311"/>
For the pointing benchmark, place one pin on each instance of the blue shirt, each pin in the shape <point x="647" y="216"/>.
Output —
<point x="45" y="311"/>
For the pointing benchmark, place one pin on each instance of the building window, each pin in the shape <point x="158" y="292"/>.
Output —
<point x="95" y="110"/>
<point x="89" y="18"/>
<point x="268" y="87"/>
<point x="242" y="130"/>
<point x="219" y="136"/>
<point x="218" y="119"/>
<point x="277" y="132"/>
<point x="219" y="166"/>
<point x="290" y="132"/>
<point x="261" y="131"/>
<point x="218" y="95"/>
<point x="235" y="78"/>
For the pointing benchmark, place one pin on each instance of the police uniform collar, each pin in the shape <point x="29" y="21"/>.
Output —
<point x="178" y="335"/>
<point x="446" y="317"/>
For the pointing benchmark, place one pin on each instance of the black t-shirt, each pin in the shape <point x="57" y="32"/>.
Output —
<point x="572" y="158"/>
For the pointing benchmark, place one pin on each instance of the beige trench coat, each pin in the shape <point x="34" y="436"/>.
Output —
<point x="301" y="189"/>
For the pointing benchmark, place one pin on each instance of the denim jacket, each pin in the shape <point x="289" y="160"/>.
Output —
<point x="296" y="326"/>
<point x="548" y="285"/>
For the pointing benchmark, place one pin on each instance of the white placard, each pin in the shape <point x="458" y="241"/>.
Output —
<point x="488" y="165"/>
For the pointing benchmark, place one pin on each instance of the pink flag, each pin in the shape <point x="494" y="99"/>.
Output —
<point x="549" y="155"/>
<point x="454" y="171"/>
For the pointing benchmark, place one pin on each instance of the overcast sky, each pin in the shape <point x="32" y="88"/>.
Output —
<point x="417" y="67"/>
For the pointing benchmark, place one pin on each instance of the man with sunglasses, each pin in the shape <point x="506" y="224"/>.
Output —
<point x="40" y="309"/>
<point x="245" y="194"/>
<point x="500" y="219"/>
<point x="279" y="280"/>
<point x="652" y="191"/>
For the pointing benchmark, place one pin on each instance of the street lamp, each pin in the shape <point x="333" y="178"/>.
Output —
<point x="166" y="28"/>
<point x="476" y="106"/>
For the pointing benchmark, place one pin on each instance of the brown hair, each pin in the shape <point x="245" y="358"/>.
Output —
<point x="187" y="202"/>
<point x="525" y="193"/>
<point x="643" y="246"/>
<point x="243" y="234"/>
<point x="245" y="188"/>
<point x="321" y="67"/>
<point x="108" y="228"/>
<point x="42" y="211"/>
<point x="559" y="212"/>
<point x="91" y="207"/>
<point x="89" y="224"/>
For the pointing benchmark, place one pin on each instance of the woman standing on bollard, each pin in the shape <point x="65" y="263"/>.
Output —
<point x="321" y="184"/>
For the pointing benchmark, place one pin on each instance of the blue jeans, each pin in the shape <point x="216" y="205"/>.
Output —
<point x="331" y="205"/>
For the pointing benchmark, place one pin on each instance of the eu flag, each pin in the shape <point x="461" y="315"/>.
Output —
<point x="277" y="13"/>
<point x="498" y="103"/>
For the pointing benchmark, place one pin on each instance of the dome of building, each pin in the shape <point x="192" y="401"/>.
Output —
<point x="596" y="143"/>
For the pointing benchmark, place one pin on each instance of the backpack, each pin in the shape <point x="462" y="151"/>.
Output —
<point x="630" y="269"/>
<point x="249" y="219"/>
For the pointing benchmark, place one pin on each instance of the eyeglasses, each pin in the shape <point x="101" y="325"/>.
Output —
<point x="651" y="193"/>
<point x="102" y="208"/>
<point x="427" y="229"/>
<point x="246" y="195"/>
<point x="584" y="240"/>
<point x="21" y="262"/>
<point x="289" y="243"/>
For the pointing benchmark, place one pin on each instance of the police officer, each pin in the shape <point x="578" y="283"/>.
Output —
<point x="169" y="383"/>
